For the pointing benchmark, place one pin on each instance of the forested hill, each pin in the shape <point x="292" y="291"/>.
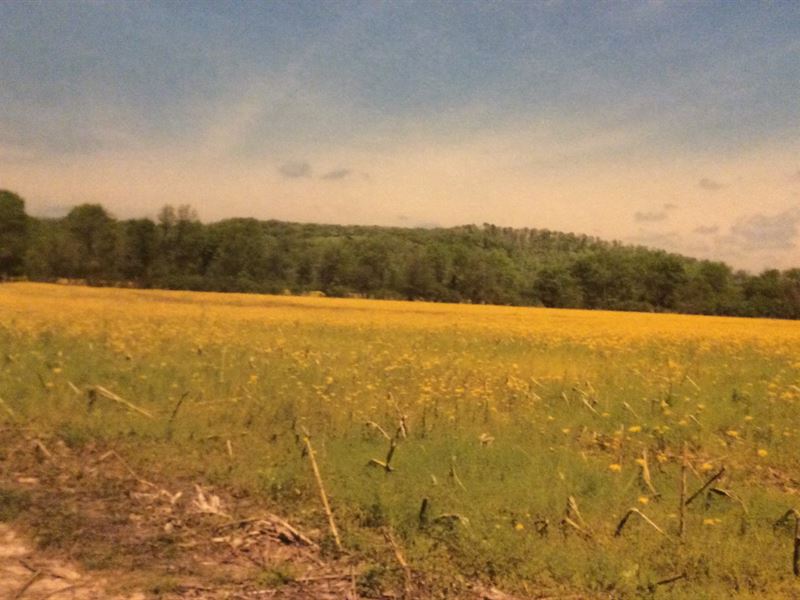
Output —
<point x="478" y="264"/>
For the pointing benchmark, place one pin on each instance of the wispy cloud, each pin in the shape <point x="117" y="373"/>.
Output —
<point x="649" y="217"/>
<point x="336" y="174"/>
<point x="710" y="185"/>
<point x="295" y="169"/>
<point x="767" y="232"/>
<point x="666" y="240"/>
<point x="706" y="229"/>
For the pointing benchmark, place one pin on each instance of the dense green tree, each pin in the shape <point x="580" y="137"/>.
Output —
<point x="555" y="287"/>
<point x="240" y="250"/>
<point x="94" y="234"/>
<point x="479" y="264"/>
<point x="183" y="252"/>
<point x="662" y="277"/>
<point x="13" y="234"/>
<point x="139" y="247"/>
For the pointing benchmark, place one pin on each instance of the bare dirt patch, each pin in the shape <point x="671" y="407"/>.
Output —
<point x="27" y="574"/>
<point x="93" y="523"/>
<point x="79" y="523"/>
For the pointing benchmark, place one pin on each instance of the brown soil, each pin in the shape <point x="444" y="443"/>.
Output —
<point x="27" y="574"/>
<point x="83" y="518"/>
<point x="79" y="523"/>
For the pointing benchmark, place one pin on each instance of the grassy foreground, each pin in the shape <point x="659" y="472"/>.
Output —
<point x="499" y="416"/>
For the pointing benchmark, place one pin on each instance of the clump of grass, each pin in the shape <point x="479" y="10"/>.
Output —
<point x="13" y="503"/>
<point x="276" y="576"/>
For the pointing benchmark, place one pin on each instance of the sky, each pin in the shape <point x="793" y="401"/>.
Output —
<point x="674" y="125"/>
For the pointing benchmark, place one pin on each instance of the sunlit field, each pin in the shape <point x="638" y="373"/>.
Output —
<point x="528" y="433"/>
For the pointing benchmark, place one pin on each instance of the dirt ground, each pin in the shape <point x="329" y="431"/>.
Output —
<point x="25" y="574"/>
<point x="78" y="523"/>
<point x="81" y="523"/>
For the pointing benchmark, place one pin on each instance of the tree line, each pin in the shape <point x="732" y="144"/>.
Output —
<point x="476" y="264"/>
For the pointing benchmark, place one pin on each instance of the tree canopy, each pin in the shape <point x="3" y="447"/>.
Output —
<point x="477" y="264"/>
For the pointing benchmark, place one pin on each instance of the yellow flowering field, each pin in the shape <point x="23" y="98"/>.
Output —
<point x="497" y="443"/>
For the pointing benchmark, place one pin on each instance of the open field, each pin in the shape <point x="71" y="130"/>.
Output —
<point x="497" y="416"/>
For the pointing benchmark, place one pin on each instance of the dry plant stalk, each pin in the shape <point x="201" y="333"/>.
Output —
<point x="178" y="405"/>
<point x="387" y="464"/>
<point x="796" y="551"/>
<point x="323" y="496"/>
<point x="127" y="467"/>
<point x="644" y="517"/>
<point x="401" y="560"/>
<point x="588" y="405"/>
<point x="379" y="429"/>
<point x="682" y="507"/>
<point x="574" y="519"/>
<point x="42" y="450"/>
<point x="730" y="496"/>
<point x="796" y="543"/>
<point x="423" y="513"/>
<point x="646" y="479"/>
<point x="31" y="580"/>
<point x="673" y="579"/>
<point x="99" y="390"/>
<point x="705" y="486"/>
<point x="454" y="476"/>
<point x="572" y="510"/>
<point x="629" y="408"/>
<point x="567" y="522"/>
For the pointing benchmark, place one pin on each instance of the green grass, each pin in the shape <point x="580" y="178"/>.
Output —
<point x="262" y="385"/>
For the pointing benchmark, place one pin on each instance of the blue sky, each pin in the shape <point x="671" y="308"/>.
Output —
<point x="670" y="124"/>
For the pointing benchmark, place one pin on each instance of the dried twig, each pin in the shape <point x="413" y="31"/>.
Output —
<point x="682" y="507"/>
<point x="178" y="406"/>
<point x="453" y="475"/>
<point x="629" y="408"/>
<point x="401" y="560"/>
<point x="588" y="405"/>
<point x="423" y="513"/>
<point x="379" y="429"/>
<point x="644" y="517"/>
<point x="796" y="550"/>
<point x="730" y="496"/>
<point x="705" y="486"/>
<point x="646" y="479"/>
<point x="574" y="519"/>
<point x="672" y="579"/>
<point x="63" y="590"/>
<point x="568" y="522"/>
<point x="99" y="390"/>
<point x="42" y="450"/>
<point x="125" y="465"/>
<point x="31" y="580"/>
<point x="323" y="496"/>
<point x="573" y="511"/>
